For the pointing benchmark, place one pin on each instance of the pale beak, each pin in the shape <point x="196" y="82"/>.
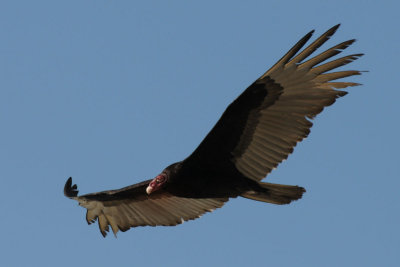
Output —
<point x="149" y="189"/>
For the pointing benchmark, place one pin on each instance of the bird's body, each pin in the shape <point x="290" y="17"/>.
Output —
<point x="256" y="132"/>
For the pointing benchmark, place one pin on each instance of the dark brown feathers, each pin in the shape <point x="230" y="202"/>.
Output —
<point x="257" y="131"/>
<point x="69" y="189"/>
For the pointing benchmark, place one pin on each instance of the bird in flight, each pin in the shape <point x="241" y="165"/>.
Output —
<point x="256" y="132"/>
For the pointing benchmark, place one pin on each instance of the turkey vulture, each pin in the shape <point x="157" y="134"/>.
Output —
<point x="255" y="133"/>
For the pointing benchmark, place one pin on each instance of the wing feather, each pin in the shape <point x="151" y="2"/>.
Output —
<point x="314" y="45"/>
<point x="335" y="64"/>
<point x="263" y="125"/>
<point x="306" y="90"/>
<point x="256" y="132"/>
<point x="333" y="51"/>
<point x="131" y="207"/>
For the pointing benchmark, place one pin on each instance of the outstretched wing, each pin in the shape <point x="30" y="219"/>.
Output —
<point x="263" y="125"/>
<point x="131" y="206"/>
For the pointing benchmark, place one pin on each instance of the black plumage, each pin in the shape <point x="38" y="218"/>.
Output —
<point x="256" y="132"/>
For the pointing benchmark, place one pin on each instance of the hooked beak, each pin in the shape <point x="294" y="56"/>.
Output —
<point x="149" y="189"/>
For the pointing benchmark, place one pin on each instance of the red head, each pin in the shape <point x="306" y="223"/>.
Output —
<point x="156" y="183"/>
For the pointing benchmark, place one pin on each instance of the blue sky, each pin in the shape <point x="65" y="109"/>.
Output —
<point x="111" y="92"/>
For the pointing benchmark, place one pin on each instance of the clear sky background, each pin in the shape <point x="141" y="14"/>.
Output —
<point x="111" y="92"/>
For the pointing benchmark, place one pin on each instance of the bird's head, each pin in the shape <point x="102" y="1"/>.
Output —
<point x="156" y="183"/>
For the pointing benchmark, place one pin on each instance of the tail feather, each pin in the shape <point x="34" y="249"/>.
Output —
<point x="275" y="193"/>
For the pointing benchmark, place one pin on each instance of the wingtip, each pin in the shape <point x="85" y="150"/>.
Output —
<point x="69" y="189"/>
<point x="333" y="29"/>
<point x="336" y="26"/>
<point x="309" y="34"/>
<point x="103" y="233"/>
<point x="329" y="33"/>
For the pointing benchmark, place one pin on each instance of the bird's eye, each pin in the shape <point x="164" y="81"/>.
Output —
<point x="158" y="180"/>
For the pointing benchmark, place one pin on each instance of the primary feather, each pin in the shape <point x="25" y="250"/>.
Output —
<point x="255" y="133"/>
